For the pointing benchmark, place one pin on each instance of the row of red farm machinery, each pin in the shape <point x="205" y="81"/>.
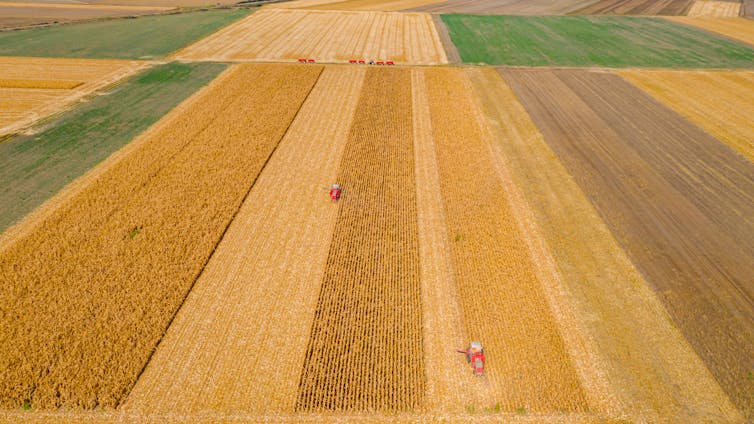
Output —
<point x="354" y="61"/>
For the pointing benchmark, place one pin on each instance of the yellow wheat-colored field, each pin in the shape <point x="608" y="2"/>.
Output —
<point x="384" y="5"/>
<point x="33" y="88"/>
<point x="653" y="374"/>
<point x="737" y="28"/>
<point x="239" y="341"/>
<point x="721" y="102"/>
<point x="503" y="302"/>
<point x="289" y="35"/>
<point x="365" y="349"/>
<point x="95" y="284"/>
<point x="716" y="9"/>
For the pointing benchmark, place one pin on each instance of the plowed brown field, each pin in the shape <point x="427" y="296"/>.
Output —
<point x="15" y="14"/>
<point x="678" y="201"/>
<point x="636" y="7"/>
<point x="736" y="28"/>
<point x="502" y="7"/>
<point x="721" y="102"/>
<point x="42" y="86"/>
<point x="86" y="295"/>
<point x="651" y="370"/>
<point x="365" y="351"/>
<point x="716" y="9"/>
<point x="385" y="5"/>
<point x="288" y="35"/>
<point x="502" y="300"/>
<point x="258" y="292"/>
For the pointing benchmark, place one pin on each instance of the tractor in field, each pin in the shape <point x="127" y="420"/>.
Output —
<point x="335" y="191"/>
<point x="475" y="356"/>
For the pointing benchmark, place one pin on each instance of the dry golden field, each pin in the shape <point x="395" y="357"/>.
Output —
<point x="18" y="14"/>
<point x="741" y="29"/>
<point x="215" y="356"/>
<point x="289" y="35"/>
<point x="32" y="88"/>
<point x="716" y="9"/>
<point x="86" y="344"/>
<point x="384" y="5"/>
<point x="721" y="102"/>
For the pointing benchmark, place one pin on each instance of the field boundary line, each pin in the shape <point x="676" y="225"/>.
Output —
<point x="174" y="55"/>
<point x="219" y="240"/>
<point x="580" y="347"/>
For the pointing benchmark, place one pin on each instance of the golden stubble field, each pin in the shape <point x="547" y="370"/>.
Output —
<point x="289" y="35"/>
<point x="33" y="88"/>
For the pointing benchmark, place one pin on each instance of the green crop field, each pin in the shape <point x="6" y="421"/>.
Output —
<point x="141" y="38"/>
<point x="35" y="167"/>
<point x="611" y="41"/>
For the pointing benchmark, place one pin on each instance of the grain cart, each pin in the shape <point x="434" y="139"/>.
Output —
<point x="475" y="356"/>
<point x="335" y="191"/>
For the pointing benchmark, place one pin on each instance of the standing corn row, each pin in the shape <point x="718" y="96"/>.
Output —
<point x="365" y="351"/>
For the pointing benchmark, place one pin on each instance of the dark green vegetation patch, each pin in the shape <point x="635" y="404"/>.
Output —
<point x="145" y="37"/>
<point x="33" y="168"/>
<point x="611" y="41"/>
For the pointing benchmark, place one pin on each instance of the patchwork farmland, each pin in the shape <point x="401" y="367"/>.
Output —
<point x="308" y="211"/>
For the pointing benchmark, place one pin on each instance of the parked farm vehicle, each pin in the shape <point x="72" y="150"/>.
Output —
<point x="335" y="191"/>
<point x="475" y="356"/>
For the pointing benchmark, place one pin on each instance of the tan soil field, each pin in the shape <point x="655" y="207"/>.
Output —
<point x="652" y="176"/>
<point x="740" y="29"/>
<point x="50" y="85"/>
<point x="721" y="102"/>
<point x="16" y="14"/>
<point x="384" y="5"/>
<point x="162" y="198"/>
<point x="651" y="369"/>
<point x="715" y="9"/>
<point x="502" y="300"/>
<point x="503" y="7"/>
<point x="365" y="351"/>
<point x="258" y="293"/>
<point x="636" y="7"/>
<point x="288" y="35"/>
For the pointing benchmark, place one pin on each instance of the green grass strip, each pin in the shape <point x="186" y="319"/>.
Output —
<point x="141" y="38"/>
<point x="33" y="168"/>
<point x="610" y="41"/>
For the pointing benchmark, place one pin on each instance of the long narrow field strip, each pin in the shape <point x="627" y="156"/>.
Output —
<point x="377" y="5"/>
<point x="592" y="41"/>
<point x="143" y="38"/>
<point x="736" y="28"/>
<point x="258" y="293"/>
<point x="503" y="7"/>
<point x="652" y="371"/>
<point x="502" y="300"/>
<point x="721" y="102"/>
<point x="715" y="9"/>
<point x="20" y="14"/>
<point x="636" y="7"/>
<point x="32" y="88"/>
<point x="652" y="176"/>
<point x="89" y="291"/>
<point x="365" y="350"/>
<point x="288" y="35"/>
<point x="35" y="167"/>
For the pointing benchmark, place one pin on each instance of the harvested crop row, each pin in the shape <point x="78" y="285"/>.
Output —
<point x="86" y="295"/>
<point x="365" y="350"/>
<point x="652" y="176"/>
<point x="718" y="101"/>
<point x="503" y="301"/>
<point x="736" y="28"/>
<point x="652" y="372"/>
<point x="715" y="9"/>
<point x="258" y="293"/>
<point x="279" y="34"/>
<point x="636" y="7"/>
<point x="31" y="88"/>
<point x="39" y="83"/>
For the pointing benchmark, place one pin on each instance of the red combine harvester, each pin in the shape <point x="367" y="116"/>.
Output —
<point x="475" y="356"/>
<point x="335" y="191"/>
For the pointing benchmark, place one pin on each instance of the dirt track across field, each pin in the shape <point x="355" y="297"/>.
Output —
<point x="504" y="7"/>
<point x="636" y="7"/>
<point x="679" y="202"/>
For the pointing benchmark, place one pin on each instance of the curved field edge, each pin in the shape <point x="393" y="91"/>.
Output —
<point x="142" y="38"/>
<point x="113" y="314"/>
<point x="35" y="167"/>
<point x="582" y="41"/>
<point x="720" y="102"/>
<point x="270" y="263"/>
